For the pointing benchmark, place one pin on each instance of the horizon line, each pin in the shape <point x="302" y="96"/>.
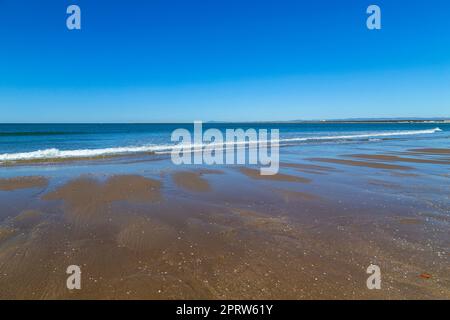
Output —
<point x="374" y="119"/>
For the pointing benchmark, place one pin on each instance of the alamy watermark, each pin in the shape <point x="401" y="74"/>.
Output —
<point x="74" y="280"/>
<point x="374" y="20"/>
<point x="234" y="146"/>
<point x="374" y="280"/>
<point x="73" y="21"/>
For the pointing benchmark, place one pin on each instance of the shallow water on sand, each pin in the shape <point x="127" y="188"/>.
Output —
<point x="141" y="227"/>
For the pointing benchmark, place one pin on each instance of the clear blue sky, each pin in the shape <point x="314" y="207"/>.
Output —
<point x="236" y="60"/>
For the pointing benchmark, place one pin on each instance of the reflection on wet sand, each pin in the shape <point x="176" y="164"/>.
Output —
<point x="404" y="174"/>
<point x="135" y="237"/>
<point x="375" y="165"/>
<point x="435" y="151"/>
<point x="308" y="168"/>
<point x="383" y="184"/>
<point x="384" y="157"/>
<point x="22" y="183"/>
<point x="255" y="174"/>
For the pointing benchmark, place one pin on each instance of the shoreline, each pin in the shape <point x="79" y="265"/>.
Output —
<point x="54" y="155"/>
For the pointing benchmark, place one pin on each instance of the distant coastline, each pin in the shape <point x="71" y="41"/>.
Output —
<point x="355" y="120"/>
<point x="313" y="121"/>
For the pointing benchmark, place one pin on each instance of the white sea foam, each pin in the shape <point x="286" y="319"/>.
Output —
<point x="369" y="135"/>
<point x="67" y="154"/>
<point x="84" y="153"/>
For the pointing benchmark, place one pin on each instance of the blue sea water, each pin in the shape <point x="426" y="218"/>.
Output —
<point x="46" y="141"/>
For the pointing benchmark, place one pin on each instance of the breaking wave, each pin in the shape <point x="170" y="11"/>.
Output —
<point x="54" y="153"/>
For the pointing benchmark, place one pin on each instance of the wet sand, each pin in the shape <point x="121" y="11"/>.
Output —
<point x="375" y="165"/>
<point x="435" y="151"/>
<point x="308" y="168"/>
<point x="86" y="200"/>
<point x="303" y="166"/>
<point x="22" y="183"/>
<point x="229" y="233"/>
<point x="193" y="181"/>
<point x="384" y="157"/>
<point x="291" y="196"/>
<point x="116" y="188"/>
<point x="255" y="174"/>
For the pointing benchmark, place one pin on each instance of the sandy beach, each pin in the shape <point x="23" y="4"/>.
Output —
<point x="150" y="230"/>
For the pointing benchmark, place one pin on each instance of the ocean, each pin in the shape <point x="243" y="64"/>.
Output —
<point x="64" y="141"/>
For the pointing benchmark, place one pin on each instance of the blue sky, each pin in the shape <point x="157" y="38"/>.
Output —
<point x="233" y="60"/>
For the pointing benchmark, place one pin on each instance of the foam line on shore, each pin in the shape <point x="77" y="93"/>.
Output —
<point x="54" y="153"/>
